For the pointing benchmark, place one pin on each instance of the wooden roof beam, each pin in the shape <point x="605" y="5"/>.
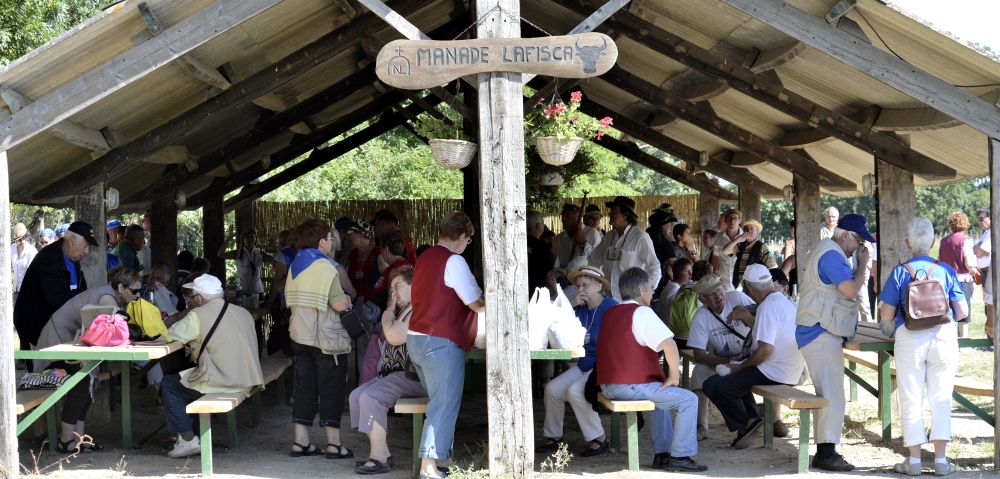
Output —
<point x="264" y="81"/>
<point x="128" y="67"/>
<point x="702" y="117"/>
<point x="66" y="130"/>
<point x="773" y="94"/>
<point x="810" y="137"/>
<point x="705" y="91"/>
<point x="880" y="65"/>
<point x="697" y="182"/>
<point x="775" y="57"/>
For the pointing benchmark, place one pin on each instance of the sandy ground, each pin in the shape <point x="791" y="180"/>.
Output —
<point x="263" y="451"/>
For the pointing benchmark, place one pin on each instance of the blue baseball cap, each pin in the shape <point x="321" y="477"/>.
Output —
<point x="856" y="224"/>
<point x="114" y="223"/>
<point x="48" y="232"/>
<point x="342" y="224"/>
<point x="62" y="228"/>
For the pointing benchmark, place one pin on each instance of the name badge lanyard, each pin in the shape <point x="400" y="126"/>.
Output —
<point x="615" y="252"/>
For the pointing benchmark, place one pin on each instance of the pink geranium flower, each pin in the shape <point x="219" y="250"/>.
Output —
<point x="605" y="122"/>
<point x="576" y="96"/>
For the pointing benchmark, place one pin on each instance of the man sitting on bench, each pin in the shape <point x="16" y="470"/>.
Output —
<point x="628" y="369"/>
<point x="223" y="344"/>
<point x="776" y="360"/>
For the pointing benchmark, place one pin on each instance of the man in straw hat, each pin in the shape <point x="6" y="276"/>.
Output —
<point x="747" y="249"/>
<point x="628" y="369"/>
<point x="591" y="287"/>
<point x="729" y="228"/>
<point x="775" y="359"/>
<point x="827" y="314"/>
<point x="625" y="246"/>
<point x="592" y="219"/>
<point x="21" y="254"/>
<point x="715" y="337"/>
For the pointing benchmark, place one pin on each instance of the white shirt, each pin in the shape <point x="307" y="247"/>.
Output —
<point x="564" y="246"/>
<point x="647" y="328"/>
<point x="667" y="297"/>
<point x="19" y="262"/>
<point x="708" y="334"/>
<point x="987" y="246"/>
<point x="457" y="276"/>
<point x="248" y="271"/>
<point x="726" y="262"/>
<point x="775" y="325"/>
<point x="145" y="259"/>
<point x="825" y="232"/>
<point x="635" y="250"/>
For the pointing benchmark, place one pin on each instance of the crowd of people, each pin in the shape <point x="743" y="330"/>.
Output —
<point x="641" y="295"/>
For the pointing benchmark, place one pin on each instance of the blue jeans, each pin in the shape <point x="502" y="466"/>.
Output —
<point x="176" y="397"/>
<point x="440" y="364"/>
<point x="679" y="439"/>
<point x="731" y="394"/>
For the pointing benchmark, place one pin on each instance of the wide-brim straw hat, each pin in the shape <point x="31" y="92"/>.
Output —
<point x="708" y="284"/>
<point x="20" y="231"/>
<point x="752" y="222"/>
<point x="590" y="272"/>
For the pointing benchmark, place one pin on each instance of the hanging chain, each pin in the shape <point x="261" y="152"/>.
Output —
<point x="503" y="12"/>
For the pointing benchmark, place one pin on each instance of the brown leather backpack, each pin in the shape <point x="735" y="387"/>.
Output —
<point x="927" y="303"/>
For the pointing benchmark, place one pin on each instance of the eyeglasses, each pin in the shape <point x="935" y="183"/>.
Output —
<point x="730" y="219"/>
<point x="981" y="219"/>
<point x="468" y="241"/>
<point x="329" y="238"/>
<point x="135" y="292"/>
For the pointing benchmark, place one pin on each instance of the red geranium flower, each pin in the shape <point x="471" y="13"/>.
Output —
<point x="605" y="122"/>
<point x="576" y="96"/>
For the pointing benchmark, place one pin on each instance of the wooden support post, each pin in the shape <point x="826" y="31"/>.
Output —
<point x="244" y="219"/>
<point x="749" y="204"/>
<point x="895" y="206"/>
<point x="9" y="467"/>
<point x="708" y="211"/>
<point x="470" y="187"/>
<point x="807" y="221"/>
<point x="89" y="206"/>
<point x="213" y="222"/>
<point x="505" y="273"/>
<point x="994" y="149"/>
<point x="163" y="237"/>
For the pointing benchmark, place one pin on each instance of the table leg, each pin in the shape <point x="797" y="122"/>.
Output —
<point x="50" y="417"/>
<point x="256" y="408"/>
<point x="804" y="416"/>
<point x="126" y="406"/>
<point x="854" y="385"/>
<point x="418" y="431"/>
<point x="633" y="441"/>
<point x="206" y="444"/>
<point x="281" y="388"/>
<point x="685" y="369"/>
<point x="884" y="395"/>
<point x="616" y="425"/>
<point x="768" y="423"/>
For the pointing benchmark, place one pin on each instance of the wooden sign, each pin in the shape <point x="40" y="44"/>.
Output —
<point x="419" y="64"/>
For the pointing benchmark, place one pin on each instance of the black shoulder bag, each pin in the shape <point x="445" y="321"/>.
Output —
<point x="177" y="361"/>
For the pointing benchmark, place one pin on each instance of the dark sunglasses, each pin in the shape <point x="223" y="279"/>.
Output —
<point x="981" y="219"/>
<point x="135" y="291"/>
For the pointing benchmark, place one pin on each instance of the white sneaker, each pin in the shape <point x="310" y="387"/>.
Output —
<point x="906" y="468"/>
<point x="943" y="469"/>
<point x="186" y="448"/>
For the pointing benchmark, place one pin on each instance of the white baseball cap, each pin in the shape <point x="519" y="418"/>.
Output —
<point x="757" y="273"/>
<point x="205" y="284"/>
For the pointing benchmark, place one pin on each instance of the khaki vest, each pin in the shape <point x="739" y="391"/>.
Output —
<point x="825" y="303"/>
<point x="230" y="359"/>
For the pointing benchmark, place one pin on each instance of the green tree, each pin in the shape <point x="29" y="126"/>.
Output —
<point x="28" y="24"/>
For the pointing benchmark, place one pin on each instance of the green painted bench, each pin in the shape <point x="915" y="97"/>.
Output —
<point x="791" y="398"/>
<point x="30" y="399"/>
<point x="417" y="407"/>
<point x="630" y="408"/>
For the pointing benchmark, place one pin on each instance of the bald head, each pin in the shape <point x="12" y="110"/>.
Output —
<point x="831" y="217"/>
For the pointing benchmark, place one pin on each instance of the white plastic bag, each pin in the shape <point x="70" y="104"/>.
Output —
<point x="565" y="332"/>
<point x="539" y="318"/>
<point x="480" y="342"/>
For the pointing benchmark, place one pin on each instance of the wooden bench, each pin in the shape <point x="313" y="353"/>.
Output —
<point x="791" y="398"/>
<point x="32" y="398"/>
<point x="417" y="407"/>
<point x="630" y="408"/>
<point x="687" y="359"/>
<point x="273" y="369"/>
<point x="214" y="404"/>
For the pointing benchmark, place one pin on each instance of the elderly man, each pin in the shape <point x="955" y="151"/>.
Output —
<point x="113" y="237"/>
<point x="592" y="219"/>
<point x="127" y="250"/>
<point x="157" y="283"/>
<point x="729" y="228"/>
<point x="625" y="246"/>
<point x="21" y="255"/>
<point x="715" y="338"/>
<point x="827" y="315"/>
<point x="776" y="359"/>
<point x="984" y="249"/>
<point x="575" y="240"/>
<point x="628" y="369"/>
<point x="52" y="279"/>
<point x="747" y="249"/>
<point x="539" y="254"/>
<point x="223" y="344"/>
<point x="829" y="223"/>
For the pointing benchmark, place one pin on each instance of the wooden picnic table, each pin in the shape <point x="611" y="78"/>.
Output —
<point x="537" y="354"/>
<point x="870" y="338"/>
<point x="92" y="357"/>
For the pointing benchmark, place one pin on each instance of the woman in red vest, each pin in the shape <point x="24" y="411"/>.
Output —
<point x="445" y="299"/>
<point x="956" y="251"/>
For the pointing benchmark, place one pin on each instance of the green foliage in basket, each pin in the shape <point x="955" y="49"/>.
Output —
<point x="548" y="199"/>
<point x="562" y="121"/>
<point x="436" y="129"/>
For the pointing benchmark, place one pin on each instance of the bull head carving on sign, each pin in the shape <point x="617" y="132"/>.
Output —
<point x="590" y="55"/>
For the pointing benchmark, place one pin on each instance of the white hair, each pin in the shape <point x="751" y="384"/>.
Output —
<point x="835" y="210"/>
<point x="576" y="263"/>
<point x="335" y="244"/>
<point x="533" y="218"/>
<point x="759" y="287"/>
<point x="209" y="297"/>
<point x="920" y="234"/>
<point x="69" y="235"/>
<point x="838" y="232"/>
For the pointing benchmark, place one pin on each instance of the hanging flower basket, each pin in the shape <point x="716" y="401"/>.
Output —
<point x="453" y="154"/>
<point x="551" y="179"/>
<point x="555" y="152"/>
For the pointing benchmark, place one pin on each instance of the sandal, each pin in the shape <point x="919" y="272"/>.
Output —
<point x="307" y="450"/>
<point x="340" y="454"/>
<point x="378" y="467"/>
<point x="91" y="447"/>
<point x="63" y="447"/>
<point x="39" y="441"/>
<point x="551" y="446"/>
<point x="601" y="447"/>
<point x="389" y="461"/>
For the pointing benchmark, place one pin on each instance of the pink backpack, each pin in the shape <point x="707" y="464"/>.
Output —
<point x="107" y="330"/>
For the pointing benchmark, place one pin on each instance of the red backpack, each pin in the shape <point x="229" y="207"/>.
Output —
<point x="927" y="303"/>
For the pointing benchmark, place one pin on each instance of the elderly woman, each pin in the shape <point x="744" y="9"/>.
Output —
<point x="446" y="299"/>
<point x="312" y="292"/>
<point x="956" y="251"/>
<point x="747" y="249"/>
<point x="926" y="357"/>
<point x="371" y="401"/>
<point x="568" y="386"/>
<point x="249" y="260"/>
<point x="124" y="287"/>
<point x="729" y="229"/>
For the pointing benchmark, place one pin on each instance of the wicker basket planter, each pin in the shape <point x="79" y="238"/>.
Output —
<point x="555" y="152"/>
<point x="453" y="154"/>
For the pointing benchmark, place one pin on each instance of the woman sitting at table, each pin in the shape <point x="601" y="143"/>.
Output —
<point x="446" y="299"/>
<point x="371" y="401"/>
<point x="125" y="285"/>
<point x="926" y="356"/>
<point x="568" y="386"/>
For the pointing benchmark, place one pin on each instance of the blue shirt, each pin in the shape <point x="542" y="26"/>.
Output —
<point x="833" y="270"/>
<point x="73" y="282"/>
<point x="894" y="291"/>
<point x="591" y="319"/>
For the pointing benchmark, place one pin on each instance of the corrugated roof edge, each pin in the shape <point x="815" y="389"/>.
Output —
<point x="970" y="45"/>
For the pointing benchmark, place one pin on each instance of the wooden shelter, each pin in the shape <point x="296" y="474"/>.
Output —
<point x="204" y="97"/>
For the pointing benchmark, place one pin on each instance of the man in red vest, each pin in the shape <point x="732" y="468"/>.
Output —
<point x="628" y="369"/>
